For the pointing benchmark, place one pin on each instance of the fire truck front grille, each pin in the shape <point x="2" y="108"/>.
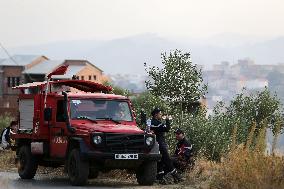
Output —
<point x="124" y="143"/>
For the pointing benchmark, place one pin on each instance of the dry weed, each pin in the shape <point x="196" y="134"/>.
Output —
<point x="251" y="170"/>
<point x="7" y="160"/>
<point x="202" y="173"/>
<point x="245" y="168"/>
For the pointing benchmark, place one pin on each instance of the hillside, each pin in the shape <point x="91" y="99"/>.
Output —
<point x="127" y="55"/>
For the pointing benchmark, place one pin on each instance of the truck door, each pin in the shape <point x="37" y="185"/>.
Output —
<point x="58" y="133"/>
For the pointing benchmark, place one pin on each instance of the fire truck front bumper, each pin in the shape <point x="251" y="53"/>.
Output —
<point x="92" y="155"/>
<point x="152" y="155"/>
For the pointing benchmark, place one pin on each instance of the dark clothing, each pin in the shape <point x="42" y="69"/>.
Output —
<point x="166" y="163"/>
<point x="183" y="154"/>
<point x="159" y="129"/>
<point x="6" y="138"/>
<point x="7" y="134"/>
<point x="183" y="149"/>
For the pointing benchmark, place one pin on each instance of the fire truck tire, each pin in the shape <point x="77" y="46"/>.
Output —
<point x="93" y="174"/>
<point x="27" y="164"/>
<point x="78" y="170"/>
<point x="146" y="173"/>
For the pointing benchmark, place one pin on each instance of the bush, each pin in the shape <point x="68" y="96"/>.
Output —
<point x="243" y="166"/>
<point x="212" y="135"/>
<point x="5" y="121"/>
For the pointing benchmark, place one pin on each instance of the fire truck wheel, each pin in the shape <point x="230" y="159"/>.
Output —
<point x="78" y="170"/>
<point x="146" y="173"/>
<point x="27" y="164"/>
<point x="93" y="174"/>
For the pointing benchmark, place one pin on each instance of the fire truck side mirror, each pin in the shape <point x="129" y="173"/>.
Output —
<point x="47" y="114"/>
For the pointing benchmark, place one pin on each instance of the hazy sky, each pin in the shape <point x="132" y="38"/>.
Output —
<point x="26" y="22"/>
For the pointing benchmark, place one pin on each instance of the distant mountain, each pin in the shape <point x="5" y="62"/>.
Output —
<point x="127" y="55"/>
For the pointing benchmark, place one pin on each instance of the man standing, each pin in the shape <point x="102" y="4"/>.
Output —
<point x="5" y="135"/>
<point x="165" y="166"/>
<point x="183" y="153"/>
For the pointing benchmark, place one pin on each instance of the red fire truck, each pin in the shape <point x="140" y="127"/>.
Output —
<point x="87" y="131"/>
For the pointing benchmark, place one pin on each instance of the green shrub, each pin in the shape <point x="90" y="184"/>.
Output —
<point x="5" y="121"/>
<point x="212" y="136"/>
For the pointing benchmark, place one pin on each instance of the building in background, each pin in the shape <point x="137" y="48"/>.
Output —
<point x="11" y="74"/>
<point x="83" y="69"/>
<point x="21" y="69"/>
<point x="225" y="80"/>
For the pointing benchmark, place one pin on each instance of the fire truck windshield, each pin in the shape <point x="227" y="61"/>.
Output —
<point x="94" y="109"/>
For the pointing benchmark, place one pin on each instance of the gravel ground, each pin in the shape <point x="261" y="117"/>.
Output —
<point x="10" y="180"/>
<point x="47" y="178"/>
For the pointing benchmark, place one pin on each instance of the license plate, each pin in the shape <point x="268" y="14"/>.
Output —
<point x="126" y="156"/>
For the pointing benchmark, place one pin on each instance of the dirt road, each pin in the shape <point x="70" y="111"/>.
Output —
<point x="9" y="180"/>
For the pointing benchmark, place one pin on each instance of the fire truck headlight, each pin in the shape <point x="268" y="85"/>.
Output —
<point x="149" y="141"/>
<point x="97" y="140"/>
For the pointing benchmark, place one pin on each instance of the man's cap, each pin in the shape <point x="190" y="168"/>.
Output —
<point x="155" y="111"/>
<point x="179" y="131"/>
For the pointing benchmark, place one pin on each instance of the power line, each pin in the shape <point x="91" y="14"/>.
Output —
<point x="11" y="58"/>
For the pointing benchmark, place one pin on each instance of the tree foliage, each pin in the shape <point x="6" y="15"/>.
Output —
<point x="179" y="82"/>
<point x="261" y="107"/>
<point x="212" y="136"/>
<point x="118" y="90"/>
<point x="5" y="121"/>
<point x="146" y="102"/>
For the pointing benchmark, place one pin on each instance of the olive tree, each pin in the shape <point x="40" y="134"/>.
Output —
<point x="179" y="82"/>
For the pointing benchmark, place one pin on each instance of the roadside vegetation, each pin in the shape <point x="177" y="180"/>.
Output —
<point x="230" y="144"/>
<point x="7" y="157"/>
<point x="249" y="170"/>
<point x="5" y="121"/>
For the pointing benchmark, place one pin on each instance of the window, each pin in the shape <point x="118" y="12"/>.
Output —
<point x="95" y="77"/>
<point x="17" y="80"/>
<point x="82" y="77"/>
<point x="8" y="82"/>
<point x="13" y="81"/>
<point x="100" y="109"/>
<point x="75" y="77"/>
<point x="90" y="77"/>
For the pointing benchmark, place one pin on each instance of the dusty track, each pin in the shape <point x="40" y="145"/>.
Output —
<point x="11" y="180"/>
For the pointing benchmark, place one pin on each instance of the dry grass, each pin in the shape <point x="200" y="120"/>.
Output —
<point x="202" y="174"/>
<point x="248" y="167"/>
<point x="243" y="169"/>
<point x="240" y="169"/>
<point x="7" y="160"/>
